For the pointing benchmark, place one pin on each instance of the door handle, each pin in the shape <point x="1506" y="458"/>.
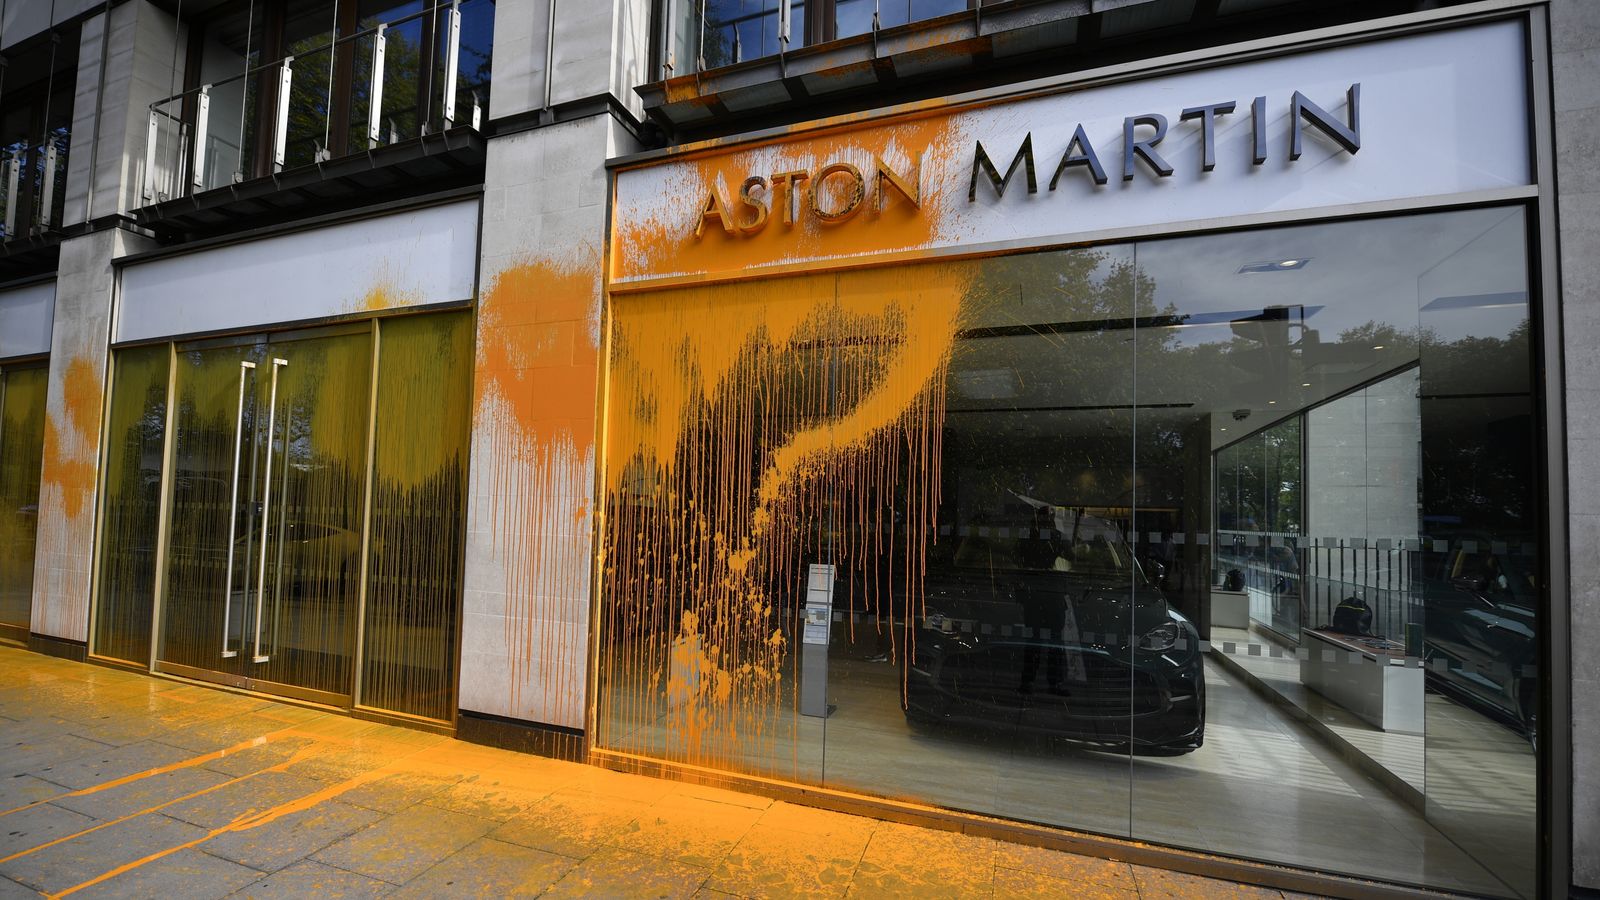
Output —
<point x="266" y="507"/>
<point x="233" y="517"/>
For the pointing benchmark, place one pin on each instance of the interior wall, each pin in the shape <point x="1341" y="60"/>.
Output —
<point x="1362" y="473"/>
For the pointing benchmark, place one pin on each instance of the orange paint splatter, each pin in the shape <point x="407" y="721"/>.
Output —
<point x="665" y="242"/>
<point x="534" y="407"/>
<point x="744" y="425"/>
<point x="81" y="395"/>
<point x="71" y="435"/>
<point x="385" y="295"/>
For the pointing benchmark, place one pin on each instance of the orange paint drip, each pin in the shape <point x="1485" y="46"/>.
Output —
<point x="65" y="470"/>
<point x="81" y="394"/>
<point x="754" y="432"/>
<point x="69" y="435"/>
<point x="534" y="401"/>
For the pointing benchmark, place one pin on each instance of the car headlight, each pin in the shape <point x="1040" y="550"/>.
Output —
<point x="1160" y="638"/>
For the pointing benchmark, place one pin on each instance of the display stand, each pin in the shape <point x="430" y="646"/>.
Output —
<point x="1367" y="676"/>
<point x="814" y="641"/>
<point x="1230" y="609"/>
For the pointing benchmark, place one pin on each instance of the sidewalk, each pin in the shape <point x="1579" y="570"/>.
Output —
<point x="118" y="784"/>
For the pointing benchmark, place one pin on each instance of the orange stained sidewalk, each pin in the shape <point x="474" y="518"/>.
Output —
<point x="122" y="784"/>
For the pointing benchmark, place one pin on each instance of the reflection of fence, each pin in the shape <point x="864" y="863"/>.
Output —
<point x="33" y="178"/>
<point x="707" y="34"/>
<point x="1297" y="582"/>
<point x="1380" y="572"/>
<point x="1269" y="568"/>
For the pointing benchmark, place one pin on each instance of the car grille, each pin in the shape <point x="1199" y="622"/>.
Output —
<point x="1092" y="686"/>
<point x="1105" y="688"/>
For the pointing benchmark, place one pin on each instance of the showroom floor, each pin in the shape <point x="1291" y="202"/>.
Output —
<point x="1479" y="779"/>
<point x="118" y="784"/>
<point x="1263" y="787"/>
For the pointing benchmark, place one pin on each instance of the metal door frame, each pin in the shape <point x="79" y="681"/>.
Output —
<point x="158" y="666"/>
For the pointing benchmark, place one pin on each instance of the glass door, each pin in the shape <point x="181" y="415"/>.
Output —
<point x="22" y="392"/>
<point x="264" y="532"/>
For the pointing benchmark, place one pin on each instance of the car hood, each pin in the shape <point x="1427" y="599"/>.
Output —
<point x="1099" y="605"/>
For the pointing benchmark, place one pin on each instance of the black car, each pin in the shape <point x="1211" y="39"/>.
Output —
<point x="1056" y="631"/>
<point x="1480" y="631"/>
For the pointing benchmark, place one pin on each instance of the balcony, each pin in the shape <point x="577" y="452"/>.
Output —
<point x="377" y="107"/>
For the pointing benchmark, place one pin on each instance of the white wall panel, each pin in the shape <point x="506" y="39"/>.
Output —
<point x="406" y="259"/>
<point x="25" y="317"/>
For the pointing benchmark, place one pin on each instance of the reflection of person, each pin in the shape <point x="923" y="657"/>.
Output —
<point x="1166" y="553"/>
<point x="1043" y="610"/>
<point x="1044" y="614"/>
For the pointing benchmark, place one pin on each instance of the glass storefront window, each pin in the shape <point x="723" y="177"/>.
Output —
<point x="312" y="518"/>
<point x="129" y="527"/>
<point x="419" y="505"/>
<point x="22" y="440"/>
<point x="1226" y="542"/>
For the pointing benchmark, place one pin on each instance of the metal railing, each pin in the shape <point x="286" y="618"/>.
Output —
<point x="705" y="34"/>
<point x="33" y="178"/>
<point x="189" y="148"/>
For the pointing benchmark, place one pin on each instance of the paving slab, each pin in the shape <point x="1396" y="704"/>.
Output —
<point x="18" y="791"/>
<point x="490" y="868"/>
<point x="688" y="829"/>
<point x="188" y="874"/>
<point x="242" y="797"/>
<point x="614" y="872"/>
<point x="309" y="803"/>
<point x="902" y="861"/>
<point x="309" y="878"/>
<point x="776" y="862"/>
<point x="108" y="764"/>
<point x="147" y="793"/>
<point x="32" y="755"/>
<point x="394" y="793"/>
<point x="26" y="829"/>
<point x="406" y="844"/>
<point x="60" y="866"/>
<point x="571" y="823"/>
<point x="292" y="837"/>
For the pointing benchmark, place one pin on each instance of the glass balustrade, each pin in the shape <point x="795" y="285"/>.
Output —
<point x="709" y="34"/>
<point x="332" y="80"/>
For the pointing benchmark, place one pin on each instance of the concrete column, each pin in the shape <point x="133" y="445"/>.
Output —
<point x="600" y="48"/>
<point x="136" y="45"/>
<point x="525" y="635"/>
<point x="74" y="409"/>
<point x="1575" y="59"/>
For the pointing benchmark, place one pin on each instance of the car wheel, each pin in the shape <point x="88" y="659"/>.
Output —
<point x="920" y="721"/>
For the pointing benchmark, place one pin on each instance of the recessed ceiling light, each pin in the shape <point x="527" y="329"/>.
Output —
<point x="1378" y="347"/>
<point x="1307" y="384"/>
<point x="1224" y="429"/>
<point x="1274" y="265"/>
<point x="1272" y="403"/>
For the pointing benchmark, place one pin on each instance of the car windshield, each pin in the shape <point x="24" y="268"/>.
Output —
<point x="1060" y="540"/>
